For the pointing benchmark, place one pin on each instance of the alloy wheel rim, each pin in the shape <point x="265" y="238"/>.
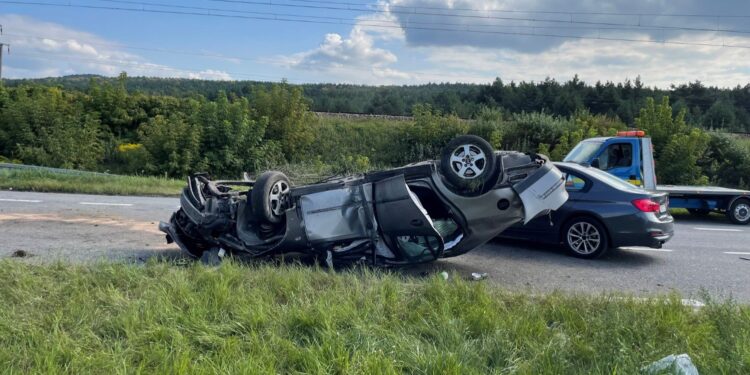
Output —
<point x="584" y="238"/>
<point x="468" y="161"/>
<point x="742" y="212"/>
<point x="278" y="191"/>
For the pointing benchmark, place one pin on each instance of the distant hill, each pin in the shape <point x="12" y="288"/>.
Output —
<point x="709" y="107"/>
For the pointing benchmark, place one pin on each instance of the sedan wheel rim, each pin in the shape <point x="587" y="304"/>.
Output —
<point x="276" y="196"/>
<point x="584" y="238"/>
<point x="468" y="161"/>
<point x="742" y="212"/>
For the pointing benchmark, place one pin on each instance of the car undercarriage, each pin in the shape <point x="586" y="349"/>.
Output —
<point x="412" y="214"/>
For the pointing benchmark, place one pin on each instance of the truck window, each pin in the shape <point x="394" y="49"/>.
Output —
<point x="583" y="152"/>
<point x="617" y="155"/>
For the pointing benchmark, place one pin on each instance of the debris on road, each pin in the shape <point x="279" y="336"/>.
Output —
<point x="476" y="276"/>
<point x="20" y="254"/>
<point x="672" y="364"/>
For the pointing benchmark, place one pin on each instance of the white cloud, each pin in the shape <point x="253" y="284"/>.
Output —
<point x="337" y="52"/>
<point x="382" y="24"/>
<point x="44" y="49"/>
<point x="480" y="57"/>
<point x="353" y="60"/>
<point x="519" y="24"/>
<point x="656" y="64"/>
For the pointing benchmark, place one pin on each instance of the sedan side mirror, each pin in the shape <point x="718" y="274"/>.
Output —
<point x="595" y="163"/>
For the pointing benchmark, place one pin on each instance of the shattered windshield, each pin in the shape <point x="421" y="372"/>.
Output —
<point x="584" y="152"/>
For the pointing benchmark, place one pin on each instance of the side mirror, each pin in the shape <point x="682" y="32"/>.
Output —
<point x="595" y="163"/>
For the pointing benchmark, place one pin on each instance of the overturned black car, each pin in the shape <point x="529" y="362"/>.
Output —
<point x="413" y="214"/>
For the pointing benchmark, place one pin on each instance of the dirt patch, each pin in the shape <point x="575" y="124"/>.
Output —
<point x="131" y="225"/>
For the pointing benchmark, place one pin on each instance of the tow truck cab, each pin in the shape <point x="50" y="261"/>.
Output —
<point x="630" y="156"/>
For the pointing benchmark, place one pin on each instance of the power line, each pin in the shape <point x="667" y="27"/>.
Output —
<point x="560" y="25"/>
<point x="558" y="12"/>
<point x="486" y="17"/>
<point x="364" y="23"/>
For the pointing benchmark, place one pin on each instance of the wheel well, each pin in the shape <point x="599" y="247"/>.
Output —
<point x="738" y="199"/>
<point x="586" y="215"/>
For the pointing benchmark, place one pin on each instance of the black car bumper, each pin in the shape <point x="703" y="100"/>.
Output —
<point x="641" y="229"/>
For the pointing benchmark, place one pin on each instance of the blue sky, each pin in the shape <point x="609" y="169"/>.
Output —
<point x="384" y="41"/>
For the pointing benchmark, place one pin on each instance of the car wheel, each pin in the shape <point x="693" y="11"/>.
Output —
<point x="700" y="212"/>
<point x="468" y="161"/>
<point x="269" y="195"/>
<point x="739" y="212"/>
<point x="585" y="238"/>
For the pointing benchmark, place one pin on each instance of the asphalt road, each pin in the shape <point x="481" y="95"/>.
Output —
<point x="704" y="255"/>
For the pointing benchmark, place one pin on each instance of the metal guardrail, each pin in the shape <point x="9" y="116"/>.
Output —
<point x="51" y="170"/>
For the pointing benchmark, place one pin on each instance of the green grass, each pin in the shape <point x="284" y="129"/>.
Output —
<point x="164" y="318"/>
<point x="31" y="180"/>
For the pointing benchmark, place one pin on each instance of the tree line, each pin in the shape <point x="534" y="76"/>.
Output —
<point x="105" y="126"/>
<point x="705" y="106"/>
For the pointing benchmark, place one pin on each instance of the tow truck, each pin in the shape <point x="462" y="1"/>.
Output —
<point x="630" y="156"/>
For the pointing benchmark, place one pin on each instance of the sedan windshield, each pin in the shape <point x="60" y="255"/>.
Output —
<point x="583" y="152"/>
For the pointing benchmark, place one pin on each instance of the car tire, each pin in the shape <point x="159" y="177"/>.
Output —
<point x="739" y="211"/>
<point x="468" y="162"/>
<point x="585" y="238"/>
<point x="268" y="196"/>
<point x="699" y="212"/>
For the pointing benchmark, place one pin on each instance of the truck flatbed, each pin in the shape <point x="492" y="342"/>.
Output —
<point x="701" y="190"/>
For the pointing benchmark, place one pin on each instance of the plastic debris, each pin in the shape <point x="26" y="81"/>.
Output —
<point x="672" y="364"/>
<point x="444" y="275"/>
<point x="211" y="257"/>
<point x="476" y="276"/>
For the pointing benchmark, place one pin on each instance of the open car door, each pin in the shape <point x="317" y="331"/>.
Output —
<point x="405" y="224"/>
<point x="541" y="192"/>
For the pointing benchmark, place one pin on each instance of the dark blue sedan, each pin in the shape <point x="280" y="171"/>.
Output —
<point x="602" y="212"/>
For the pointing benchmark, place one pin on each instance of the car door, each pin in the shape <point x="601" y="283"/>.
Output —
<point x="546" y="228"/>
<point x="404" y="223"/>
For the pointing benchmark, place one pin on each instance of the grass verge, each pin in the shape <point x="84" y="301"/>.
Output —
<point x="31" y="180"/>
<point x="161" y="318"/>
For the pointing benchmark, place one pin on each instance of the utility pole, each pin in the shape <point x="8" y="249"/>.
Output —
<point x="7" y="47"/>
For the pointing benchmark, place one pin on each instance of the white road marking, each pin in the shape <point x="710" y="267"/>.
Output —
<point x="718" y="229"/>
<point x="105" y="204"/>
<point x="20" y="200"/>
<point x="647" y="249"/>
<point x="736" y="253"/>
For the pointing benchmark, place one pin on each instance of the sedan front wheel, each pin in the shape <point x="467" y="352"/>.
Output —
<point x="585" y="238"/>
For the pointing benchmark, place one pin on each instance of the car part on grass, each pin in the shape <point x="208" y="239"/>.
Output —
<point x="672" y="364"/>
<point x="400" y="216"/>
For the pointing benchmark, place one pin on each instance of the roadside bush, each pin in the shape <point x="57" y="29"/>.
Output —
<point x="727" y="160"/>
<point x="431" y="131"/>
